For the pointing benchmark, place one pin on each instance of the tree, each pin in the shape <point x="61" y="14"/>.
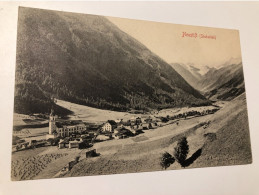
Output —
<point x="181" y="151"/>
<point x="166" y="160"/>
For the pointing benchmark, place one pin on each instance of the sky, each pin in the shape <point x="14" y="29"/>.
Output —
<point x="167" y="41"/>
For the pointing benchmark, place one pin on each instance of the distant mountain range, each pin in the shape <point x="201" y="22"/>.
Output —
<point x="86" y="59"/>
<point x="189" y="73"/>
<point x="224" y="83"/>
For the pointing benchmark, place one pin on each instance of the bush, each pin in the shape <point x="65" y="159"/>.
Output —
<point x="181" y="151"/>
<point x="166" y="160"/>
<point x="164" y="120"/>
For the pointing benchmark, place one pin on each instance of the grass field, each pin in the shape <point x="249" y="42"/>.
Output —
<point x="143" y="153"/>
<point x="233" y="140"/>
<point x="23" y="119"/>
<point x="32" y="133"/>
<point x="89" y="114"/>
<point x="41" y="163"/>
<point x="230" y="145"/>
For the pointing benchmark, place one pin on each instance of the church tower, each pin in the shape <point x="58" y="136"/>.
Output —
<point x="52" y="122"/>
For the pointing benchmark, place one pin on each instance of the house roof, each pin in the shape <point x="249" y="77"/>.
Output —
<point x="117" y="129"/>
<point x="124" y="131"/>
<point x="74" y="142"/>
<point x="112" y="122"/>
<point x="65" y="141"/>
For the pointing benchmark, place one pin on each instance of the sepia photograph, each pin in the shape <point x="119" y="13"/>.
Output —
<point x="101" y="95"/>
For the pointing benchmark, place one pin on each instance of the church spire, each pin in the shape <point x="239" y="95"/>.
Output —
<point x="52" y="112"/>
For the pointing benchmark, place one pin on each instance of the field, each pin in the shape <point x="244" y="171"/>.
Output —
<point x="28" y="127"/>
<point x="228" y="127"/>
<point x="233" y="141"/>
<point x="41" y="163"/>
<point x="32" y="133"/>
<point x="89" y="114"/>
<point x="23" y="119"/>
<point x="143" y="153"/>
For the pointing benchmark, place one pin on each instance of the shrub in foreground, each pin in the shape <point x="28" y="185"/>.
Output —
<point x="166" y="160"/>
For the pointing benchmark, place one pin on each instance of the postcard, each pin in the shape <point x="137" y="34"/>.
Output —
<point x="98" y="95"/>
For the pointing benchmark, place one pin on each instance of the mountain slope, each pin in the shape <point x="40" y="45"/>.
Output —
<point x="189" y="73"/>
<point x="88" y="60"/>
<point x="232" y="145"/>
<point x="225" y="83"/>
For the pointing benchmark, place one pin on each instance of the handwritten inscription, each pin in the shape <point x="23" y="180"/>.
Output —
<point x="200" y="36"/>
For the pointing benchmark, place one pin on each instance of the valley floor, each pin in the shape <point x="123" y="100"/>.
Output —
<point x="143" y="152"/>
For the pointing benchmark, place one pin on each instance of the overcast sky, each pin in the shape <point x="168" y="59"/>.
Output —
<point x="166" y="41"/>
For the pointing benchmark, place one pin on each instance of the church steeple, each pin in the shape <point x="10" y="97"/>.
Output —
<point x="52" y="112"/>
<point x="52" y="122"/>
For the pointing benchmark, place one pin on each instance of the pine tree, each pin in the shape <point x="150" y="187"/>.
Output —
<point x="181" y="151"/>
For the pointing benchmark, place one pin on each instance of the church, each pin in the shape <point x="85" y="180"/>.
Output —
<point x="64" y="128"/>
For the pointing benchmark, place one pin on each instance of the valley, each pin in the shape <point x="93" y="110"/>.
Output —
<point x="223" y="83"/>
<point x="91" y="99"/>
<point x="143" y="152"/>
<point x="128" y="156"/>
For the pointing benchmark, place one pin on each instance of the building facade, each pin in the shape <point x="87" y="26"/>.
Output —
<point x="109" y="126"/>
<point x="59" y="128"/>
<point x="67" y="130"/>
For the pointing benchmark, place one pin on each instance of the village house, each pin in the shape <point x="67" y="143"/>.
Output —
<point x="120" y="124"/>
<point x="137" y="127"/>
<point x="145" y="126"/>
<point x="70" y="143"/>
<point x="121" y="133"/>
<point x="74" y="144"/>
<point x="135" y="121"/>
<point x="138" y="121"/>
<point x="64" y="143"/>
<point x="109" y="126"/>
<point x="148" y="120"/>
<point x="136" y="130"/>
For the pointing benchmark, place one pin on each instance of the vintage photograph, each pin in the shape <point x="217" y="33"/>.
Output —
<point x="99" y="95"/>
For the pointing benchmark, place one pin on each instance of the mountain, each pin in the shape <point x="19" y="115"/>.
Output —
<point x="197" y="72"/>
<point x="232" y="61"/>
<point x="86" y="59"/>
<point x="204" y="69"/>
<point x="189" y="73"/>
<point x="224" y="83"/>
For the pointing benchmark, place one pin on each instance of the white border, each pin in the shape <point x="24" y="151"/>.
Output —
<point x="218" y="180"/>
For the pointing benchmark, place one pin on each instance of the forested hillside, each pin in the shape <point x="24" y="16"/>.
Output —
<point x="86" y="59"/>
